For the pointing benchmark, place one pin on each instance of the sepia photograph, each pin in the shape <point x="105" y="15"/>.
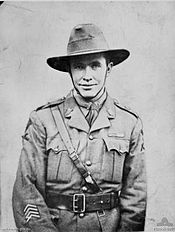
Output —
<point x="87" y="125"/>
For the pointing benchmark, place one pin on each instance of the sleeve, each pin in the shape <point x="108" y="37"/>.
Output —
<point x="30" y="210"/>
<point x="133" y="195"/>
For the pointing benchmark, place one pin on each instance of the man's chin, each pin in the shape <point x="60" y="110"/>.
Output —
<point x="88" y="97"/>
<point x="88" y="94"/>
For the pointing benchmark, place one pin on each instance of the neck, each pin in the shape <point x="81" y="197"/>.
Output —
<point x="84" y="102"/>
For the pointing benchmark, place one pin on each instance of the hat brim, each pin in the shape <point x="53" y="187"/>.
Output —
<point x="61" y="63"/>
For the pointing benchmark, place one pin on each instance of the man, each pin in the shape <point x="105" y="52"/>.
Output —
<point x="93" y="179"/>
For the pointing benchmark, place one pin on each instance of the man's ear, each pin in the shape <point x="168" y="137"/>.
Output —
<point x="109" y="68"/>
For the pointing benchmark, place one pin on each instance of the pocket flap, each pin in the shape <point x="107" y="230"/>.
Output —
<point x="120" y="145"/>
<point x="55" y="144"/>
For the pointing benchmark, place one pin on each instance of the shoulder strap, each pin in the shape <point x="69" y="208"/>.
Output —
<point x="51" y="104"/>
<point x="64" y="134"/>
<point x="125" y="108"/>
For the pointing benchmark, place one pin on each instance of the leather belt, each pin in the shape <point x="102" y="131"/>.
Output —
<point x="79" y="202"/>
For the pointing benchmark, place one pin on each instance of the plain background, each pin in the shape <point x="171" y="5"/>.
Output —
<point x="32" y="31"/>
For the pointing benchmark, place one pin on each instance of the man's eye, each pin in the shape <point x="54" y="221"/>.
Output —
<point x="95" y="65"/>
<point x="78" y="67"/>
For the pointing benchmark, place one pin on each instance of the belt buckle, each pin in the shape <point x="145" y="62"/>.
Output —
<point x="79" y="203"/>
<point x="101" y="213"/>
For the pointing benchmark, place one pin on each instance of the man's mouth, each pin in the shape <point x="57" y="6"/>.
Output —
<point x="87" y="85"/>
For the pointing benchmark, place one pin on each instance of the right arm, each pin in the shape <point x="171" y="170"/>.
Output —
<point x="30" y="210"/>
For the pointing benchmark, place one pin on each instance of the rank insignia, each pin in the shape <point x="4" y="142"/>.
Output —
<point x="31" y="211"/>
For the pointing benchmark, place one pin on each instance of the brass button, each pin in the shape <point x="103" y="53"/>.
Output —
<point x="56" y="149"/>
<point x="81" y="215"/>
<point x="88" y="163"/>
<point x="91" y="137"/>
<point x="84" y="189"/>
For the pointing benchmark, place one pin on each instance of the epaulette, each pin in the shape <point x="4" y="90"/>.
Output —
<point x="51" y="104"/>
<point x="125" y="108"/>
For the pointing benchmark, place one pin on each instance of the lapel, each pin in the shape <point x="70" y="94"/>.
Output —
<point x="106" y="113"/>
<point x="77" y="120"/>
<point x="75" y="116"/>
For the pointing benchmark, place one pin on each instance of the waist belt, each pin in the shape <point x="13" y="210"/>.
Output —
<point x="79" y="202"/>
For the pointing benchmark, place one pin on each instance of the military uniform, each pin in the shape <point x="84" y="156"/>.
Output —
<point x="112" y="150"/>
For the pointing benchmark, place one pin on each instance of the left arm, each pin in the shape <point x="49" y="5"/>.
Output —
<point x="133" y="193"/>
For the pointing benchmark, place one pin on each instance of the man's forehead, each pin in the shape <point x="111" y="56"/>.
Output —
<point x="87" y="58"/>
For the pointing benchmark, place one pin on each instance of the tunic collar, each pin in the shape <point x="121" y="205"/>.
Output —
<point x="76" y="118"/>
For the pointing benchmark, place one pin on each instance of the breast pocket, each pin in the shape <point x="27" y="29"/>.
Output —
<point x="115" y="151"/>
<point x="59" y="165"/>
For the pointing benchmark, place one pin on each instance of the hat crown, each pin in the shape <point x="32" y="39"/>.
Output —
<point x="85" y="38"/>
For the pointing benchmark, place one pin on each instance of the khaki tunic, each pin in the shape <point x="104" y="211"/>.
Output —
<point x="113" y="151"/>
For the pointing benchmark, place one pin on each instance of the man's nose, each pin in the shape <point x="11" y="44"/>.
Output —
<point x="87" y="74"/>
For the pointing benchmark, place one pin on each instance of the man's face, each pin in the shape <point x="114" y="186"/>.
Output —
<point x="88" y="73"/>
